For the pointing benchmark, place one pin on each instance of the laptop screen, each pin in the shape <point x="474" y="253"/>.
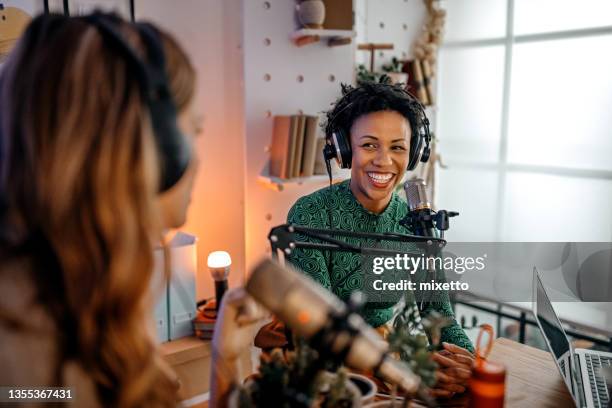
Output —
<point x="553" y="332"/>
<point x="551" y="327"/>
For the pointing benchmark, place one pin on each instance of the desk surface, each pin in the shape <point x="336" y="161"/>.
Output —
<point x="532" y="380"/>
<point x="532" y="377"/>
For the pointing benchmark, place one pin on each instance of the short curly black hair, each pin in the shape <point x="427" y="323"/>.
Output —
<point x="374" y="97"/>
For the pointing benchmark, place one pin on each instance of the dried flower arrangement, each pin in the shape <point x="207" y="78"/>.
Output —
<point x="427" y="44"/>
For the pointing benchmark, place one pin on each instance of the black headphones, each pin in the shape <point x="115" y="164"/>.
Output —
<point x="338" y="143"/>
<point x="174" y="149"/>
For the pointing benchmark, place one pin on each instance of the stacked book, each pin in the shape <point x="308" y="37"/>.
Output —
<point x="204" y="322"/>
<point x="420" y="80"/>
<point x="293" y="151"/>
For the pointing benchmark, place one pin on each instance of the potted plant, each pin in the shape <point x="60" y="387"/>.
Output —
<point x="296" y="379"/>
<point x="394" y="71"/>
<point x="363" y="75"/>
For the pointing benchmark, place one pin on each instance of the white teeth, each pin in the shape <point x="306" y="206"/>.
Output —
<point x="380" y="178"/>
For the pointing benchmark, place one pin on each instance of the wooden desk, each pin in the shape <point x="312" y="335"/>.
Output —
<point x="532" y="378"/>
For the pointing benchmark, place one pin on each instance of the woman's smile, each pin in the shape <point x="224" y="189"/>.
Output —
<point x="381" y="180"/>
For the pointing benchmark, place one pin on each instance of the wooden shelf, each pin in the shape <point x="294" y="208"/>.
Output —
<point x="372" y="48"/>
<point x="185" y="349"/>
<point x="279" y="184"/>
<point x="306" y="36"/>
<point x="190" y="359"/>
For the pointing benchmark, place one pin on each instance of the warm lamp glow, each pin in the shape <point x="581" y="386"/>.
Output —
<point x="219" y="259"/>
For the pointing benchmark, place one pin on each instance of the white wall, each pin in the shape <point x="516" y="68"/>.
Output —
<point x="211" y="33"/>
<point x="388" y="21"/>
<point x="231" y="209"/>
<point x="282" y="95"/>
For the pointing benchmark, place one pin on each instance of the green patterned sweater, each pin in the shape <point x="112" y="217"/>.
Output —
<point x="346" y="273"/>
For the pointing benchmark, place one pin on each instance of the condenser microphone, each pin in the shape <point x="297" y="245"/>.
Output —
<point x="420" y="217"/>
<point x="420" y="220"/>
<point x="313" y="312"/>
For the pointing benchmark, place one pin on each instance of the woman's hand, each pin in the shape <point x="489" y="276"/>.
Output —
<point x="454" y="370"/>
<point x="234" y="332"/>
<point x="236" y="324"/>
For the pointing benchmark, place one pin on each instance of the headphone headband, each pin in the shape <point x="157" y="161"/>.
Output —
<point x="173" y="147"/>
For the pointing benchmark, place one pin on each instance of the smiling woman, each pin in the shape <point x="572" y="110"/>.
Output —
<point x="380" y="132"/>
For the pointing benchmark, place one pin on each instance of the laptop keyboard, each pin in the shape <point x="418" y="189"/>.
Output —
<point x="562" y="365"/>
<point x="598" y="385"/>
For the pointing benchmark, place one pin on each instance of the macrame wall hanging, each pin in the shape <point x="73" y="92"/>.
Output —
<point x="425" y="50"/>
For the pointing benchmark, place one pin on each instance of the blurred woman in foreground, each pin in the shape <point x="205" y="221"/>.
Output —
<point x="82" y="206"/>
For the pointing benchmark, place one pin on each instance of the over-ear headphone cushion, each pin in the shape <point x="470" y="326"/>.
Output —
<point x="416" y="144"/>
<point x="174" y="148"/>
<point x="342" y="145"/>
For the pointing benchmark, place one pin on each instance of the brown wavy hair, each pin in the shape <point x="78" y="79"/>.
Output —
<point x="78" y="188"/>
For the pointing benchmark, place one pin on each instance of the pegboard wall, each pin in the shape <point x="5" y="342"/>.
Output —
<point x="249" y="71"/>
<point x="398" y="22"/>
<point x="388" y="21"/>
<point x="281" y="79"/>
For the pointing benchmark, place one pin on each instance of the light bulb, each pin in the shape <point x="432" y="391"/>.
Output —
<point x="219" y="264"/>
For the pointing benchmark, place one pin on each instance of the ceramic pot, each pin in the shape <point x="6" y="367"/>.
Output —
<point x="367" y="387"/>
<point x="398" y="77"/>
<point x="354" y="390"/>
<point x="311" y="13"/>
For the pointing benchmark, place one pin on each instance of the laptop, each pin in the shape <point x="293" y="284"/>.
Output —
<point x="578" y="367"/>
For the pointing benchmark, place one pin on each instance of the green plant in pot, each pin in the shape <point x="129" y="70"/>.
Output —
<point x="296" y="378"/>
<point x="364" y="75"/>
<point x="394" y="66"/>
<point x="394" y="71"/>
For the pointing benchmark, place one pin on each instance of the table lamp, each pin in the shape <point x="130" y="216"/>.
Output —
<point x="219" y="266"/>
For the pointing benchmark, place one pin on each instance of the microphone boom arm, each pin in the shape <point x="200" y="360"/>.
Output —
<point x="284" y="238"/>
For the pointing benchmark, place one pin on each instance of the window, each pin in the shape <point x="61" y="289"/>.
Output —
<point x="525" y="120"/>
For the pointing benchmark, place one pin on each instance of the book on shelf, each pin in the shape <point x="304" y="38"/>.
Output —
<point x="428" y="82"/>
<point x="299" y="146"/>
<point x="293" y="128"/>
<point x="416" y="81"/>
<point x="282" y="147"/>
<point x="310" y="146"/>
<point x="294" y="149"/>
